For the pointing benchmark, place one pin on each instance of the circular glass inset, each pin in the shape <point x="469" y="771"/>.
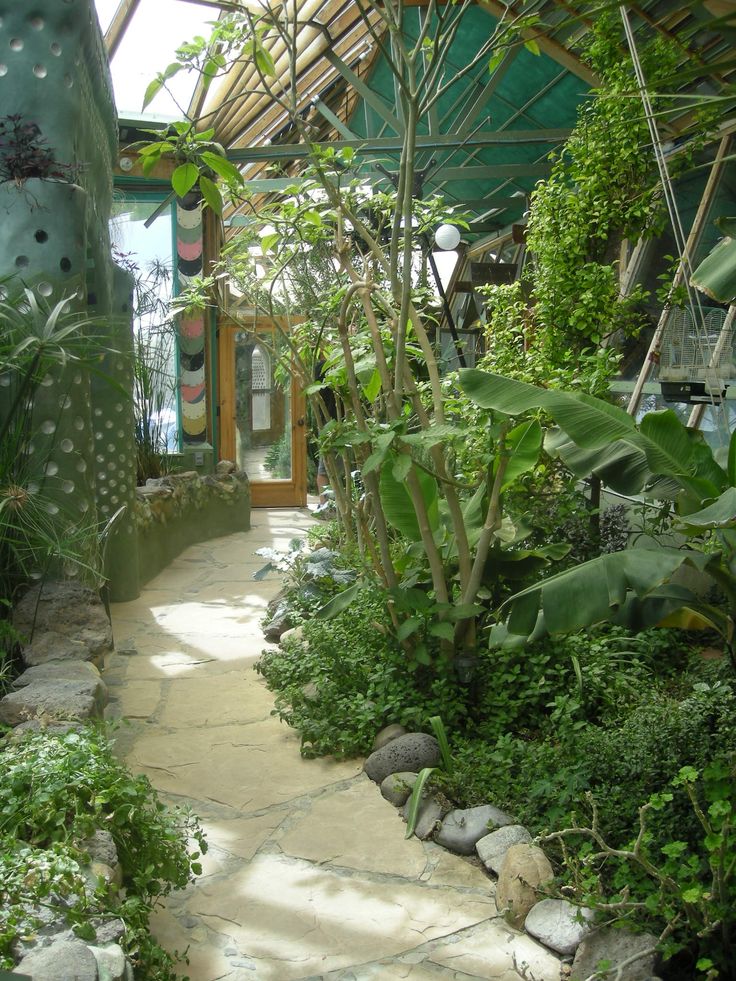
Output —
<point x="40" y="71"/>
<point x="67" y="486"/>
<point x="66" y="446"/>
<point x="51" y="468"/>
<point x="48" y="427"/>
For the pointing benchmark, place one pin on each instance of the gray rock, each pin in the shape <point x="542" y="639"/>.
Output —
<point x="293" y="633"/>
<point x="43" y="725"/>
<point x="50" y="926"/>
<point x="224" y="467"/>
<point x="492" y="848"/>
<point x="108" y="931"/>
<point x="100" y="847"/>
<point x="278" y="624"/>
<point x="616" y="946"/>
<point x="65" y="960"/>
<point x="429" y="815"/>
<point x="110" y="962"/>
<point x="65" y="670"/>
<point x="559" y="925"/>
<point x="67" y="609"/>
<point x="396" y="787"/>
<point x="412" y="752"/>
<point x="54" y="699"/>
<point x="387" y="735"/>
<point x="525" y="868"/>
<point x="51" y="646"/>
<point x="461" y="829"/>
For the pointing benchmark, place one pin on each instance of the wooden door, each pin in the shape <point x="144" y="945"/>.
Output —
<point x="261" y="414"/>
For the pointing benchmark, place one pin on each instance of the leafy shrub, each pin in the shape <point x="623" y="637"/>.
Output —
<point x="682" y="890"/>
<point x="55" y="791"/>
<point x="542" y="778"/>
<point x="571" y="681"/>
<point x="348" y="677"/>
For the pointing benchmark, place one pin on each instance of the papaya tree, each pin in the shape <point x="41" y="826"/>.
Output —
<point x="436" y="536"/>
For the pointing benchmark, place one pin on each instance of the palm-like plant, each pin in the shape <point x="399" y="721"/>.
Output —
<point x="36" y="533"/>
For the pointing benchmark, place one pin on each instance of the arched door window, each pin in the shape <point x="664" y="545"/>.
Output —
<point x="260" y="365"/>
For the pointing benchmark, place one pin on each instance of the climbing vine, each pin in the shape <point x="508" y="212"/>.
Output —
<point x="603" y="189"/>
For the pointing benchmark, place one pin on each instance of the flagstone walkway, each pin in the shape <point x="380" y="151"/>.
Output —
<point x="308" y="874"/>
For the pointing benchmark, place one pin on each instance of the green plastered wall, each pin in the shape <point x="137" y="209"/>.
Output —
<point x="55" y="241"/>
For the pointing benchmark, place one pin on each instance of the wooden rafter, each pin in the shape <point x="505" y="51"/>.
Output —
<point x="119" y="25"/>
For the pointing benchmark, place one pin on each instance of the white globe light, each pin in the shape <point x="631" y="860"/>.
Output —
<point x="447" y="237"/>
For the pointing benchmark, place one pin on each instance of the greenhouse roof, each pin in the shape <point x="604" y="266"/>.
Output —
<point x="486" y="142"/>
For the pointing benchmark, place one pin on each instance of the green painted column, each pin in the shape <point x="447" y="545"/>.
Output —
<point x="54" y="75"/>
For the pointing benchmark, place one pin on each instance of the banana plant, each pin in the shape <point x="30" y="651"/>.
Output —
<point x="659" y="458"/>
<point x="716" y="274"/>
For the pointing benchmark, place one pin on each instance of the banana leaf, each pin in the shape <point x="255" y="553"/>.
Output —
<point x="716" y="274"/>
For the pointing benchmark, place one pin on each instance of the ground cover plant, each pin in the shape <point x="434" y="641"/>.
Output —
<point x="55" y="791"/>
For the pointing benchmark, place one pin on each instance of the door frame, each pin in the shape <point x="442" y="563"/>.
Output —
<point x="263" y="493"/>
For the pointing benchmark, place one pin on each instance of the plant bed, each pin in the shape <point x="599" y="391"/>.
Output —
<point x="573" y="740"/>
<point x="86" y="852"/>
<point x="180" y="510"/>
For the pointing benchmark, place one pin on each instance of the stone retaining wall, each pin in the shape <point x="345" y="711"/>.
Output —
<point x="174" y="512"/>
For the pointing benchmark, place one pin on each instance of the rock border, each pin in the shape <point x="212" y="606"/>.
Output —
<point x="67" y="634"/>
<point x="521" y="869"/>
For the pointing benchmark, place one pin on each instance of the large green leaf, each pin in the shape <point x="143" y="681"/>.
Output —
<point x="184" y="178"/>
<point x="596" y="590"/>
<point x="666" y="442"/>
<point x="620" y="465"/>
<point x="716" y="274"/>
<point x="587" y="420"/>
<point x="525" y="445"/>
<point x="720" y="514"/>
<point x="397" y="504"/>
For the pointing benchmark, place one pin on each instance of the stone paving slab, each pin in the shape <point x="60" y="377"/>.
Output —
<point x="308" y="875"/>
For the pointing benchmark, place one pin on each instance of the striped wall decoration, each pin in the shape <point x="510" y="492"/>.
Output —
<point x="192" y="379"/>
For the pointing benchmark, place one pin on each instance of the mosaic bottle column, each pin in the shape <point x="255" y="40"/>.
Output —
<point x="54" y="74"/>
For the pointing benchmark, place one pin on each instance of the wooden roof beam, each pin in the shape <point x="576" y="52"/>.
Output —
<point x="552" y="48"/>
<point x="119" y="25"/>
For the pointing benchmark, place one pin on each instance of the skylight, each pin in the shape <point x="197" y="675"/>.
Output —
<point x="155" y="31"/>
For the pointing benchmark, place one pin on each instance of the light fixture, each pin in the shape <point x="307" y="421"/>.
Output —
<point x="466" y="665"/>
<point x="447" y="237"/>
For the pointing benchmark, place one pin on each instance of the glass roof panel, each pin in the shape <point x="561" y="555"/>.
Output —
<point x="156" y="30"/>
<point x="105" y="11"/>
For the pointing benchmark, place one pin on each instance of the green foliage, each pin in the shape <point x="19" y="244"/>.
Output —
<point x="55" y="791"/>
<point x="683" y="889"/>
<point x="425" y="774"/>
<point x="39" y="530"/>
<point x="716" y="274"/>
<point x="347" y="679"/>
<point x="154" y="370"/>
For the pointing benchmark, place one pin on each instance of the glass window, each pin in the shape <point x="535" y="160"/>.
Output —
<point x="147" y="254"/>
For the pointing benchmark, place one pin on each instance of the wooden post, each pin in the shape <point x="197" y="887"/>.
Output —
<point x="692" y="241"/>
